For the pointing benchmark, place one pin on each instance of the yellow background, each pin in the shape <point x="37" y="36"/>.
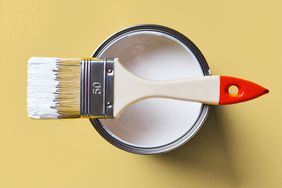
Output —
<point x="239" y="146"/>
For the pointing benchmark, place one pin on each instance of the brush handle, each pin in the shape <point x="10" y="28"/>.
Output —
<point x="129" y="88"/>
<point x="207" y="89"/>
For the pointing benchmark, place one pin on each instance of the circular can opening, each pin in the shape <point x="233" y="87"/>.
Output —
<point x="154" y="125"/>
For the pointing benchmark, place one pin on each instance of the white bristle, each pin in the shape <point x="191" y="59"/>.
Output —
<point x="42" y="87"/>
<point x="51" y="88"/>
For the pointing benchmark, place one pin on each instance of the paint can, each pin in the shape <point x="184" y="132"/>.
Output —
<point x="155" y="125"/>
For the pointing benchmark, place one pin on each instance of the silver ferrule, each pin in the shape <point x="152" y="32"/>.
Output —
<point x="96" y="88"/>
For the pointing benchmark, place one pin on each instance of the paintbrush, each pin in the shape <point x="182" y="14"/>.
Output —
<point x="103" y="88"/>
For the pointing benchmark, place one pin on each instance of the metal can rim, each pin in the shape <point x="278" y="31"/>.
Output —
<point x="205" y="108"/>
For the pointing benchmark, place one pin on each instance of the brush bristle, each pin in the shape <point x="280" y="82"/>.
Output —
<point x="53" y="88"/>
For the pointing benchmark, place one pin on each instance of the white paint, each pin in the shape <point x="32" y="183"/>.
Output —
<point x="154" y="122"/>
<point x="204" y="89"/>
<point x="41" y="87"/>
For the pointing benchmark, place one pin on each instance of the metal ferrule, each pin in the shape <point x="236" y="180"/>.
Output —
<point x="96" y="88"/>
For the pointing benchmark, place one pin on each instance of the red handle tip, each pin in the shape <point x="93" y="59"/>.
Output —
<point x="246" y="90"/>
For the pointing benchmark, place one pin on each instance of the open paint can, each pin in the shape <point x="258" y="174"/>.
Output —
<point x="154" y="125"/>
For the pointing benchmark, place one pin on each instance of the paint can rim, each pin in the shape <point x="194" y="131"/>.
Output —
<point x="97" y="124"/>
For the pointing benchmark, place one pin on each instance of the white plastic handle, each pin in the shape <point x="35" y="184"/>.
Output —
<point x="129" y="88"/>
